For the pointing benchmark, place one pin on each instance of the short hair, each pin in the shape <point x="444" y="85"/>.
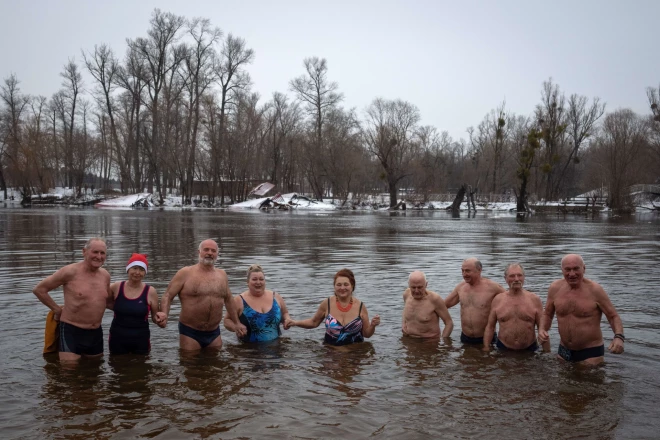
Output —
<point x="347" y="273"/>
<point x="88" y="243"/>
<point x="477" y="263"/>
<point x="254" y="268"/>
<point x="411" y="274"/>
<point x="199" y="248"/>
<point x="510" y="265"/>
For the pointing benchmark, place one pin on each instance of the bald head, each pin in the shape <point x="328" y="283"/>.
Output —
<point x="416" y="276"/>
<point x="475" y="261"/>
<point x="572" y="259"/>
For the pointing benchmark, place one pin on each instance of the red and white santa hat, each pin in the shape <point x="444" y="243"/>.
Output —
<point x="137" y="260"/>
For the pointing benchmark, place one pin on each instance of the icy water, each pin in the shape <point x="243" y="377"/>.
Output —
<point x="389" y="387"/>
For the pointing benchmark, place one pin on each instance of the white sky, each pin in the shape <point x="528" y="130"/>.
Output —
<point x="455" y="59"/>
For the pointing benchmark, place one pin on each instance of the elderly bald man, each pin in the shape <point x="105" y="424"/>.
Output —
<point x="423" y="309"/>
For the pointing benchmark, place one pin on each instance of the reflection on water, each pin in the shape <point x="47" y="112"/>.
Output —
<point x="389" y="387"/>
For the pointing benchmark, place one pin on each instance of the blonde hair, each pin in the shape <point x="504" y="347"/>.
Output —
<point x="253" y="269"/>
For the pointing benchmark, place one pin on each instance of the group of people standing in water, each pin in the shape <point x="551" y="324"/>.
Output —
<point x="257" y="314"/>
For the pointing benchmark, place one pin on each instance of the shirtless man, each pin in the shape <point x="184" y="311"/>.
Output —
<point x="422" y="310"/>
<point x="475" y="295"/>
<point x="87" y="293"/>
<point x="518" y="312"/>
<point x="203" y="291"/>
<point x="580" y="304"/>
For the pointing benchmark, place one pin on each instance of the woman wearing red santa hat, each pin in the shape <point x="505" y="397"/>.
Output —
<point x="134" y="302"/>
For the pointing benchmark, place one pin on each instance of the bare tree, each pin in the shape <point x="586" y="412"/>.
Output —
<point x="233" y="80"/>
<point x="318" y="95"/>
<point x="11" y="135"/>
<point x="104" y="67"/>
<point x="161" y="57"/>
<point x="551" y="116"/>
<point x="71" y="89"/>
<point x="624" y="136"/>
<point x="581" y="120"/>
<point x="389" y="131"/>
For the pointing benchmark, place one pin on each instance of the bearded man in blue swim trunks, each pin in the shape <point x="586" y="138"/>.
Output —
<point x="580" y="304"/>
<point x="518" y="312"/>
<point x="203" y="290"/>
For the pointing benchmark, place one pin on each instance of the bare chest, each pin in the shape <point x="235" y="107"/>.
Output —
<point x="475" y="299"/>
<point x="516" y="311"/>
<point x="86" y="288"/>
<point x="210" y="286"/>
<point x="421" y="311"/>
<point x="579" y="306"/>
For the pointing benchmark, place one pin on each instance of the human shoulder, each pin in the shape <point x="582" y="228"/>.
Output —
<point x="434" y="296"/>
<point x="494" y="286"/>
<point x="533" y="297"/>
<point x="555" y="286"/>
<point x="406" y="294"/>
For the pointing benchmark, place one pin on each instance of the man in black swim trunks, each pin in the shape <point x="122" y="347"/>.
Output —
<point x="203" y="290"/>
<point x="518" y="312"/>
<point x="86" y="287"/>
<point x="580" y="304"/>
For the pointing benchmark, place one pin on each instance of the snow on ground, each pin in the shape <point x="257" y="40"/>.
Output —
<point x="142" y="199"/>
<point x="290" y="200"/>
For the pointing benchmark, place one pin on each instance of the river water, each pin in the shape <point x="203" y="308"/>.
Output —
<point x="388" y="387"/>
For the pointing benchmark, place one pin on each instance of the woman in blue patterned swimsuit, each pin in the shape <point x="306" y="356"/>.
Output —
<point x="261" y="311"/>
<point x="343" y="307"/>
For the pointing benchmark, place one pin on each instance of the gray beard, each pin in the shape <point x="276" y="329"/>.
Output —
<point x="207" y="261"/>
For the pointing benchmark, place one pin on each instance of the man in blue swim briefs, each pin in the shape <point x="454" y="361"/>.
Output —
<point x="475" y="294"/>
<point x="203" y="290"/>
<point x="518" y="312"/>
<point x="86" y="287"/>
<point x="580" y="304"/>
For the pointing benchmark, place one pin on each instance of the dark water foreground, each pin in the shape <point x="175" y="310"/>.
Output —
<point x="390" y="387"/>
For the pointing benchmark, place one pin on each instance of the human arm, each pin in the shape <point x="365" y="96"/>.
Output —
<point x="228" y="322"/>
<point x="368" y="327"/>
<point x="538" y="305"/>
<point x="315" y="320"/>
<point x="232" y="313"/>
<point x="286" y="318"/>
<point x="52" y="282"/>
<point x="606" y="306"/>
<point x="548" y="315"/>
<point x="113" y="291"/>
<point x="152" y="300"/>
<point x="453" y="298"/>
<point x="173" y="289"/>
<point x="489" y="331"/>
<point x="442" y="311"/>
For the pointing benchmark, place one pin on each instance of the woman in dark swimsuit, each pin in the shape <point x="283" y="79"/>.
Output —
<point x="343" y="307"/>
<point x="134" y="301"/>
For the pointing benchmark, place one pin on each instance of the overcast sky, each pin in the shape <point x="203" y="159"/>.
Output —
<point x="455" y="60"/>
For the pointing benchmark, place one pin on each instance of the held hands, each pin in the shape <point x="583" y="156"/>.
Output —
<point x="288" y="323"/>
<point x="616" y="346"/>
<point x="375" y="320"/>
<point x="161" y="319"/>
<point x="543" y="336"/>
<point x="241" y="330"/>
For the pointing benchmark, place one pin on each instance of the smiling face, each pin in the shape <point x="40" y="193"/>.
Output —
<point x="94" y="254"/>
<point x="208" y="252"/>
<point x="257" y="283"/>
<point x="343" y="288"/>
<point x="573" y="268"/>
<point x="471" y="271"/>
<point x="136" y="273"/>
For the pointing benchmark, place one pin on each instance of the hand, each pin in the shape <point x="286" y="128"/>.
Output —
<point x="288" y="323"/>
<point x="161" y="319"/>
<point x="616" y="346"/>
<point x="375" y="320"/>
<point x="57" y="314"/>
<point x="241" y="330"/>
<point x="486" y="348"/>
<point x="543" y="336"/>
